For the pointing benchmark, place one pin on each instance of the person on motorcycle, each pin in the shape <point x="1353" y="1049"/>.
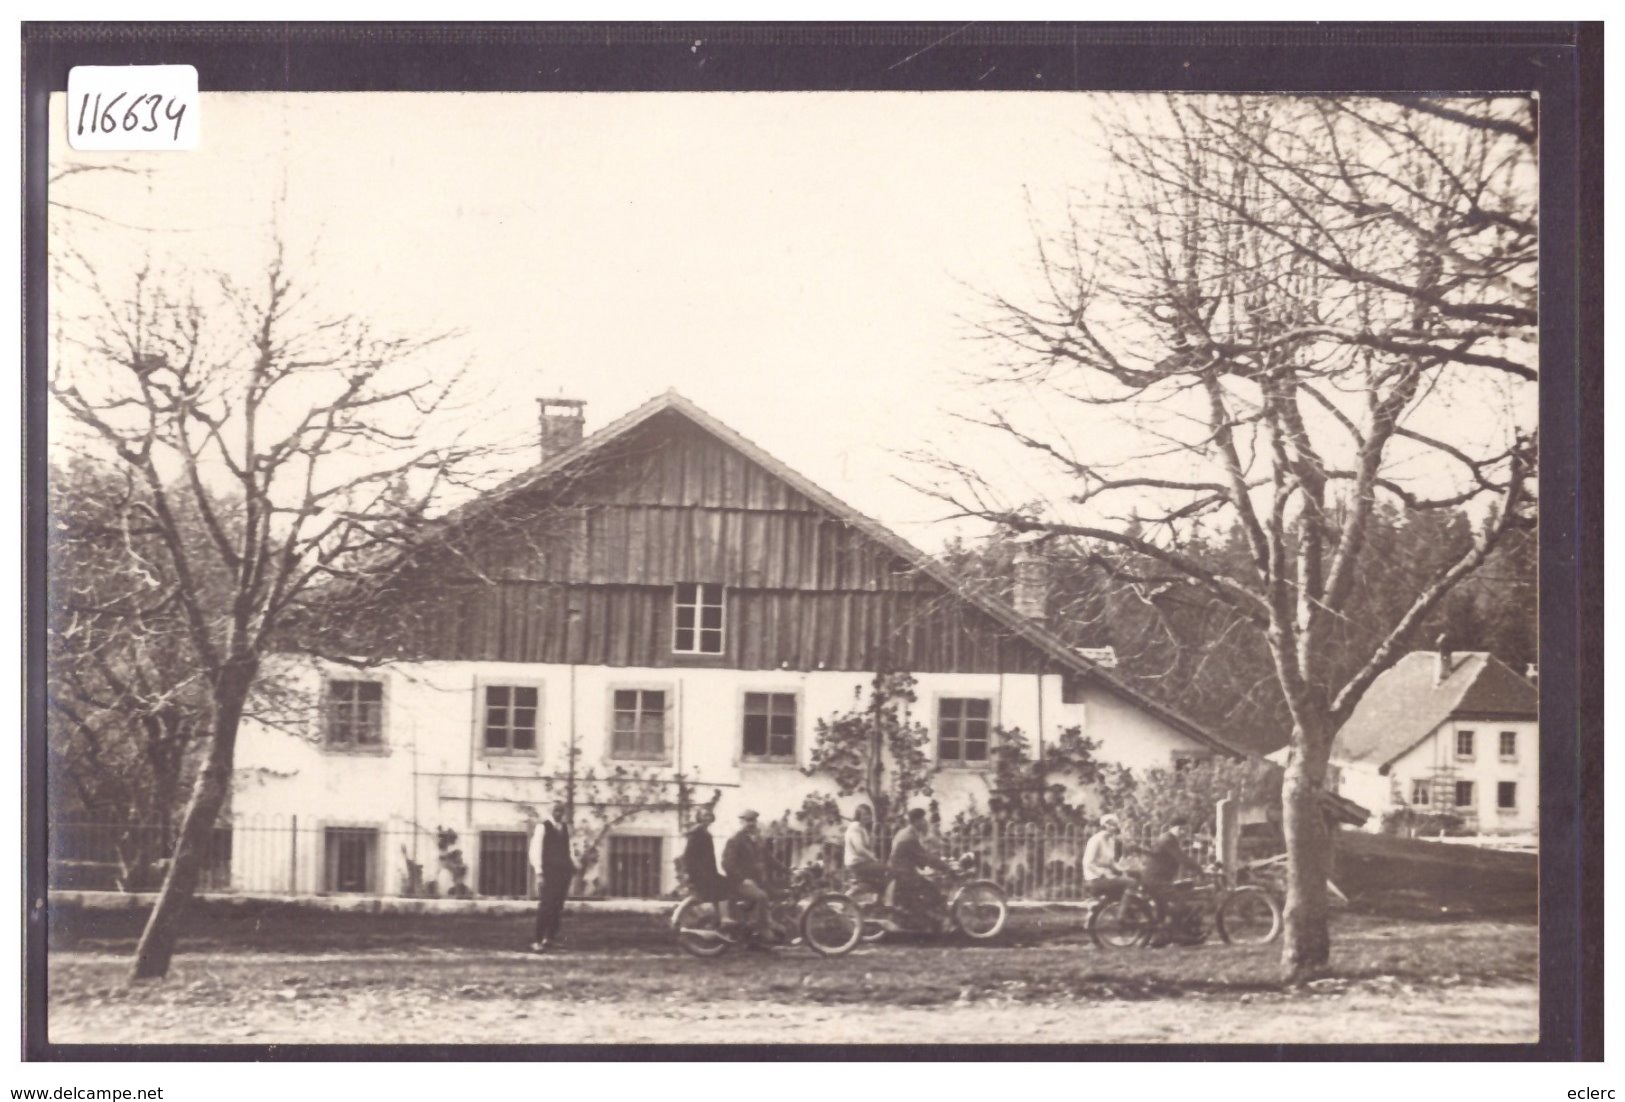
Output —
<point x="1103" y="875"/>
<point x="700" y="865"/>
<point x="859" y="858"/>
<point x="1164" y="862"/>
<point x="745" y="866"/>
<point x="909" y="855"/>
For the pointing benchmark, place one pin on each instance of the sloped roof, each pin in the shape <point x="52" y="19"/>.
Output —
<point x="1046" y="641"/>
<point x="1406" y="703"/>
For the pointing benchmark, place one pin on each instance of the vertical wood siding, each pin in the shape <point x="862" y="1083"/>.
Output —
<point x="584" y="573"/>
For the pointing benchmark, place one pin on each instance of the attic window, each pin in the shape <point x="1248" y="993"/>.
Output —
<point x="697" y="623"/>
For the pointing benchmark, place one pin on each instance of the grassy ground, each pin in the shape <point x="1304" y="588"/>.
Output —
<point x="1431" y="881"/>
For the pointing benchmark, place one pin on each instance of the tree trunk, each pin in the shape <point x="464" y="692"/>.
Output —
<point x="1307" y="948"/>
<point x="209" y="792"/>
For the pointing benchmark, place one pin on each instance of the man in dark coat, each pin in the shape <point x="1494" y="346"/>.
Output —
<point x="1164" y="862"/>
<point x="746" y="868"/>
<point x="555" y="867"/>
<point x="700" y="863"/>
<point x="909" y="857"/>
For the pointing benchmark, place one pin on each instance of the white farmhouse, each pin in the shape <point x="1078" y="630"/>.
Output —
<point x="1446" y="732"/>
<point x="663" y="603"/>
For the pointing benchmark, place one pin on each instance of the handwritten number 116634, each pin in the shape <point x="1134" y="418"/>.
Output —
<point x="124" y="112"/>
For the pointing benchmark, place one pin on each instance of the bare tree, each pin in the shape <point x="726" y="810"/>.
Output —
<point x="1280" y="312"/>
<point x="126" y="704"/>
<point x="275" y="449"/>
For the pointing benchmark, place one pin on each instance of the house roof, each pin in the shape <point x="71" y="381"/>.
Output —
<point x="1408" y="701"/>
<point x="1046" y="641"/>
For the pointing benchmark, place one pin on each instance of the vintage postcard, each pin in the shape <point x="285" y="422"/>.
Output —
<point x="705" y="566"/>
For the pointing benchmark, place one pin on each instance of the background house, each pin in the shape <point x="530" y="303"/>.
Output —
<point x="665" y="605"/>
<point x="1449" y="733"/>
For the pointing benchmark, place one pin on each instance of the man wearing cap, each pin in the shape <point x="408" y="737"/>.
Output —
<point x="1165" y="862"/>
<point x="909" y="855"/>
<point x="746" y="869"/>
<point x="1102" y="875"/>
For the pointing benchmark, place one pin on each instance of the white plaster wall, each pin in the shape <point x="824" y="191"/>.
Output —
<point x="1360" y="782"/>
<point x="431" y="773"/>
<point x="1485" y="770"/>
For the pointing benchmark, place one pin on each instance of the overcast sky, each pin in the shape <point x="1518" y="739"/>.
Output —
<point x="806" y="266"/>
<point x="798" y="264"/>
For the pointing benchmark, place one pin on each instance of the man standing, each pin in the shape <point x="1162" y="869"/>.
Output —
<point x="1102" y="875"/>
<point x="700" y="864"/>
<point x="555" y="867"/>
<point x="909" y="855"/>
<point x="859" y="858"/>
<point x="746" y="870"/>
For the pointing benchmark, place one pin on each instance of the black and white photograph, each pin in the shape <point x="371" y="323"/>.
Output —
<point x="927" y="567"/>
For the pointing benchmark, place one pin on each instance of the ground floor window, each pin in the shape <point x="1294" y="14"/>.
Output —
<point x="1506" y="795"/>
<point x="505" y="863"/>
<point x="351" y="860"/>
<point x="1419" y="793"/>
<point x="963" y="723"/>
<point x="770" y="726"/>
<point x="355" y="713"/>
<point x="510" y="718"/>
<point x="638" y="724"/>
<point x="632" y="866"/>
<point x="1464" y="793"/>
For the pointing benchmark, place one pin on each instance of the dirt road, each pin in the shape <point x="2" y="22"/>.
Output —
<point x="1401" y="984"/>
<point x="1484" y="1014"/>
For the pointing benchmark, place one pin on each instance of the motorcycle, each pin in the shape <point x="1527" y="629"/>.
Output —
<point x="803" y="912"/>
<point x="976" y="907"/>
<point x="1243" y="914"/>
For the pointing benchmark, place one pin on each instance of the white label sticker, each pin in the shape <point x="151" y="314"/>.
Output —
<point x="132" y="107"/>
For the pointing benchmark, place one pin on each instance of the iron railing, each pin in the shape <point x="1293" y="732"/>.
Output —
<point x="296" y="855"/>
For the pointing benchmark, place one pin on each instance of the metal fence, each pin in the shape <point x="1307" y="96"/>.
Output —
<point x="293" y="856"/>
<point x="299" y="856"/>
<point x="1030" y="861"/>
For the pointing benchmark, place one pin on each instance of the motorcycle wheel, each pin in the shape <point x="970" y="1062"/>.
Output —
<point x="979" y="910"/>
<point x="699" y="927"/>
<point x="1249" y="915"/>
<point x="831" y="924"/>
<point x="1121" y="924"/>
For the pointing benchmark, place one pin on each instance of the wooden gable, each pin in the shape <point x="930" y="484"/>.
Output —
<point x="581" y="568"/>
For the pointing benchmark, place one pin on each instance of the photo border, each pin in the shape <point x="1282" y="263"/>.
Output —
<point x="1560" y="62"/>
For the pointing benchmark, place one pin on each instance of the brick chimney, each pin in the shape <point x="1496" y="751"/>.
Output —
<point x="1031" y="596"/>
<point x="562" y="420"/>
<point x="1446" y="661"/>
